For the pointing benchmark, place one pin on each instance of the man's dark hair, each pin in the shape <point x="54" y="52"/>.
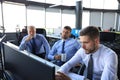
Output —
<point x="68" y="28"/>
<point x="90" y="31"/>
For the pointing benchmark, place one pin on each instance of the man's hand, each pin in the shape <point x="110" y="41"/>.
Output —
<point x="29" y="37"/>
<point x="61" y="76"/>
<point x="57" y="57"/>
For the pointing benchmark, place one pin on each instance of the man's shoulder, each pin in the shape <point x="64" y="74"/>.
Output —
<point x="39" y="36"/>
<point x="25" y="36"/>
<point x="71" y="40"/>
<point x="107" y="50"/>
<point x="57" y="42"/>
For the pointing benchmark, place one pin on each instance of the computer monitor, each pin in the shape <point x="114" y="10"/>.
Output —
<point x="75" y="32"/>
<point x="26" y="67"/>
<point x="2" y="39"/>
<point x="107" y="36"/>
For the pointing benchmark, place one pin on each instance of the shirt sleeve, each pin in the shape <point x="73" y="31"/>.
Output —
<point x="46" y="45"/>
<point x="110" y="69"/>
<point x="74" y="76"/>
<point x="52" y="52"/>
<point x="23" y="44"/>
<point x="77" y="45"/>
<point x="71" y="63"/>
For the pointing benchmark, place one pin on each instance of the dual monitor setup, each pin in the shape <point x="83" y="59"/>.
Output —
<point x="20" y="65"/>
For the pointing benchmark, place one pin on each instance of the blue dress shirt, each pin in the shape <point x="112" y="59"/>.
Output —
<point x="105" y="63"/>
<point x="70" y="48"/>
<point x="40" y="41"/>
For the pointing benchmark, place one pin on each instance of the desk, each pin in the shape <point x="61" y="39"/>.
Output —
<point x="54" y="36"/>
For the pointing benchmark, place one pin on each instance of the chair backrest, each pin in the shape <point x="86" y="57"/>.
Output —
<point x="107" y="36"/>
<point x="41" y="31"/>
<point x="72" y="36"/>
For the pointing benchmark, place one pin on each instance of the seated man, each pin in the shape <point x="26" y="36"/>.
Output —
<point x="101" y="62"/>
<point x="66" y="47"/>
<point x="35" y="43"/>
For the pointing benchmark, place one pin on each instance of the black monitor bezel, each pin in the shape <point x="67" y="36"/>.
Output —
<point x="25" y="75"/>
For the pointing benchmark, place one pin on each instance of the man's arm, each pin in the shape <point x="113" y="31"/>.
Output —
<point x="46" y="45"/>
<point x="61" y="76"/>
<point x="70" y="76"/>
<point x="72" y="62"/>
<point x="110" y="69"/>
<point x="22" y="45"/>
<point x="52" y="52"/>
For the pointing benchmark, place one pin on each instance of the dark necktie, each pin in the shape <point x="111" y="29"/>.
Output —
<point x="33" y="46"/>
<point x="63" y="45"/>
<point x="90" y="68"/>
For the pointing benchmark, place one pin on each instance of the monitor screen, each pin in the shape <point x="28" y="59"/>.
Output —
<point x="26" y="67"/>
<point x="75" y="32"/>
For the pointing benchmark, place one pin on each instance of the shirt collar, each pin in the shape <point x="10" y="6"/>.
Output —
<point x="97" y="52"/>
<point x="35" y="36"/>
<point x="66" y="39"/>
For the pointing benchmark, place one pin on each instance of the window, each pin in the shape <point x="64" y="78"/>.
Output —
<point x="62" y="2"/>
<point x="69" y="2"/>
<point x="97" y="4"/>
<point x="68" y="18"/>
<point x="96" y="18"/>
<point x="108" y="20"/>
<point x="0" y="16"/>
<point x="57" y="2"/>
<point x="85" y="19"/>
<point x="101" y="4"/>
<point x="53" y="18"/>
<point x="36" y="16"/>
<point x="37" y="0"/>
<point x="86" y="3"/>
<point x="110" y="4"/>
<point x="14" y="14"/>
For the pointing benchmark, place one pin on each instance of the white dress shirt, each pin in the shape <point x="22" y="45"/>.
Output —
<point x="105" y="63"/>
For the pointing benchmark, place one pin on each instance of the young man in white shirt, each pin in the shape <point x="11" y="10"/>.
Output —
<point x="104" y="59"/>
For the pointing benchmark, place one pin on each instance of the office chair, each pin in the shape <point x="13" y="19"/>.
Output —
<point x="107" y="36"/>
<point x="24" y="33"/>
<point x="41" y="31"/>
<point x="72" y="36"/>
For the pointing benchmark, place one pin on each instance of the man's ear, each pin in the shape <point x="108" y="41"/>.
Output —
<point x="97" y="40"/>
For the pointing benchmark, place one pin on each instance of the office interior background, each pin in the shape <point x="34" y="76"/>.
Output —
<point x="53" y="15"/>
<point x="43" y="14"/>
